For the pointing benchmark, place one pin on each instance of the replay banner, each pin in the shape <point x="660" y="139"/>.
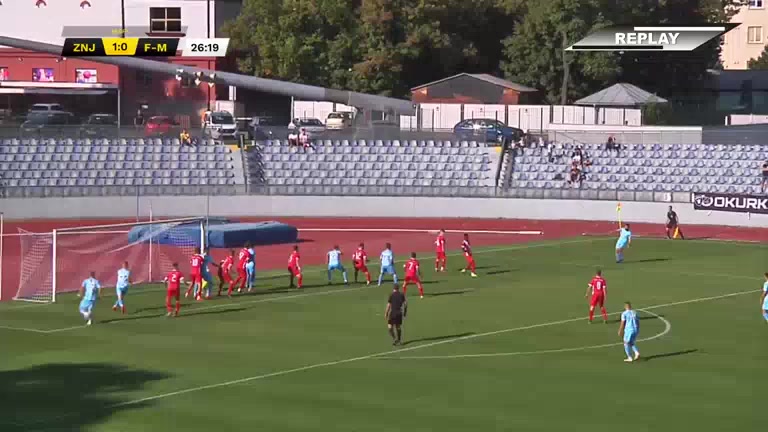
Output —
<point x="651" y="38"/>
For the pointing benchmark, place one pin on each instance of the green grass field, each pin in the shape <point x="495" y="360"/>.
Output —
<point x="510" y="350"/>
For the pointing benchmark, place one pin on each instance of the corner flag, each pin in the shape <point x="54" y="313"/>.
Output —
<point x="618" y="213"/>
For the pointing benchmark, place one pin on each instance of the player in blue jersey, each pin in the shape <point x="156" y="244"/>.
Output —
<point x="630" y="328"/>
<point x="206" y="274"/>
<point x="250" y="269"/>
<point x="334" y="263"/>
<point x="624" y="241"/>
<point x="89" y="293"/>
<point x="121" y="287"/>
<point x="387" y="263"/>
<point x="764" y="298"/>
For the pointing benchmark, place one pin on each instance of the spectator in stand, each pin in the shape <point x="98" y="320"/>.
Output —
<point x="764" y="184"/>
<point x="185" y="139"/>
<point x="577" y="157"/>
<point x="612" y="145"/>
<point x="575" y="176"/>
<point x="304" y="140"/>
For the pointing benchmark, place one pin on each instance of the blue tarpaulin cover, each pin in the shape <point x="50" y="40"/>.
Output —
<point x="220" y="235"/>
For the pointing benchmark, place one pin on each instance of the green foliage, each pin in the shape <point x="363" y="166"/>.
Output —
<point x="760" y="63"/>
<point x="389" y="46"/>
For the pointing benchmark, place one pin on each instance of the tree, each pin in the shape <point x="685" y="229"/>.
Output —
<point x="759" y="63"/>
<point x="535" y="54"/>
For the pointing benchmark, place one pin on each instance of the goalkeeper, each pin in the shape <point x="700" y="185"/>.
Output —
<point x="206" y="273"/>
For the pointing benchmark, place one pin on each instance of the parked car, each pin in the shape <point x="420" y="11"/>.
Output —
<point x="262" y="128"/>
<point x="46" y="107"/>
<point x="160" y="126"/>
<point x="312" y="126"/>
<point x="338" y="120"/>
<point x="487" y="130"/>
<point x="219" y="125"/>
<point x="99" y="125"/>
<point x="48" y="124"/>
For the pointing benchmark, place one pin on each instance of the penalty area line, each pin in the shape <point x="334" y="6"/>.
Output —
<point x="396" y="351"/>
<point x="419" y="231"/>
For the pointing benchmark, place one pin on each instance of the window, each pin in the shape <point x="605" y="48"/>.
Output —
<point x="165" y="20"/>
<point x="143" y="78"/>
<point x="188" y="81"/>
<point x="4" y="75"/>
<point x="754" y="35"/>
<point x="755" y="4"/>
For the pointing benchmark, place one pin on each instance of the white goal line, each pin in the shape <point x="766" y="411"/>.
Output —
<point x="423" y="231"/>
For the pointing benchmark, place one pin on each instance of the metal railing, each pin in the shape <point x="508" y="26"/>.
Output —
<point x="362" y="191"/>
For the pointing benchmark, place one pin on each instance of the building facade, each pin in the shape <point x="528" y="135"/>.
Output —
<point x="51" y="21"/>
<point x="748" y="40"/>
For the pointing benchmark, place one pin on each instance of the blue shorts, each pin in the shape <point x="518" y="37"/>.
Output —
<point x="250" y="268"/>
<point x="208" y="277"/>
<point x="388" y="269"/>
<point x="122" y="290"/>
<point x="629" y="338"/>
<point x="621" y="245"/>
<point x="87" y="305"/>
<point x="765" y="303"/>
<point x="336" y="267"/>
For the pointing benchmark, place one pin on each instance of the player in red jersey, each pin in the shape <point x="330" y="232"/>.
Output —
<point x="196" y="275"/>
<point x="440" y="259"/>
<point x="599" y="289"/>
<point x="173" y="284"/>
<point x="412" y="274"/>
<point x="225" y="270"/>
<point x="360" y="261"/>
<point x="242" y="275"/>
<point x="467" y="249"/>
<point x="294" y="267"/>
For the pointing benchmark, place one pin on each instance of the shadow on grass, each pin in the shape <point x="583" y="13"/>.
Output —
<point x="669" y="354"/>
<point x="448" y="293"/>
<point x="649" y="260"/>
<point x="68" y="397"/>
<point x="437" y="338"/>
<point x="190" y="311"/>
<point x="498" y="272"/>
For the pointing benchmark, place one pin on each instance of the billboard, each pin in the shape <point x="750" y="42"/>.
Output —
<point x="733" y="203"/>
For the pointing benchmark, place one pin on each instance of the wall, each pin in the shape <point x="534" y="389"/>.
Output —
<point x="317" y="206"/>
<point x="736" y="50"/>
<point x="20" y="63"/>
<point x="22" y="19"/>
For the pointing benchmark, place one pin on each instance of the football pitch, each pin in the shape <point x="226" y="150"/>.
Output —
<point x="509" y="350"/>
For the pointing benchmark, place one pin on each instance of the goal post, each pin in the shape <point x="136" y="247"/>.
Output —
<point x="58" y="261"/>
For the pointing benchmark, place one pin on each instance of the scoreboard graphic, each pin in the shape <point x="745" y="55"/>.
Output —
<point x="144" y="47"/>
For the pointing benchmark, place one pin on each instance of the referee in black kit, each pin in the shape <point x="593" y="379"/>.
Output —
<point x="397" y="309"/>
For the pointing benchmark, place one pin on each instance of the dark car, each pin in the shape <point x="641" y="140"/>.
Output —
<point x="99" y="125"/>
<point x="263" y="128"/>
<point x="488" y="130"/>
<point x="48" y="124"/>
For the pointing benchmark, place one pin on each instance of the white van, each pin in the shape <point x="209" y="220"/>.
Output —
<point x="219" y="125"/>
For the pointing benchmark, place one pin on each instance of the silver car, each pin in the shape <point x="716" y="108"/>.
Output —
<point x="312" y="126"/>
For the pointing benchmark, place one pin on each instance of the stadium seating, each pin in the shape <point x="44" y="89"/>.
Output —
<point x="374" y="163"/>
<point x="89" y="164"/>
<point x="648" y="167"/>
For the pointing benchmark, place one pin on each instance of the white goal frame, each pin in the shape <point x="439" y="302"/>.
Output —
<point x="56" y="233"/>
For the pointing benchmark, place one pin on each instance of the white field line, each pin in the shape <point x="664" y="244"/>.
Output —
<point x="295" y="296"/>
<point x="422" y="231"/>
<point x="667" y="329"/>
<point x="395" y="352"/>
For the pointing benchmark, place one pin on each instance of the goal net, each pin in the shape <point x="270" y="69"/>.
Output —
<point x="59" y="261"/>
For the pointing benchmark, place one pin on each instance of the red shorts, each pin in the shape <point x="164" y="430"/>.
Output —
<point x="173" y="292"/>
<point x="597" y="300"/>
<point x="412" y="279"/>
<point x="469" y="258"/>
<point x="196" y="279"/>
<point x="440" y="255"/>
<point x="226" y="277"/>
<point x="294" y="271"/>
<point x="361" y="267"/>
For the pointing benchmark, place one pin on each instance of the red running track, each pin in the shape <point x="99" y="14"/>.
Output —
<point x="321" y="234"/>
